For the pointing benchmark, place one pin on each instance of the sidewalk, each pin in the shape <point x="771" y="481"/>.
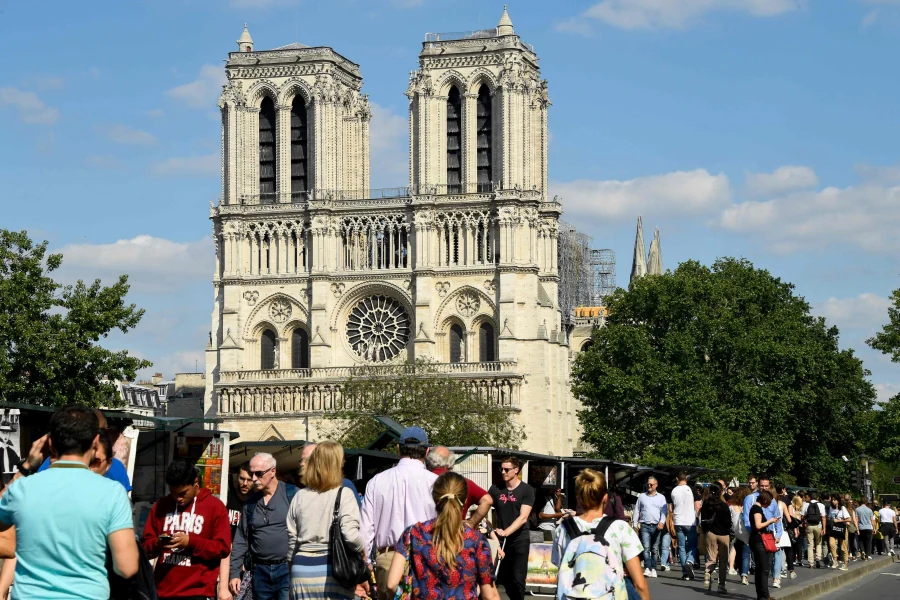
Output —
<point x="810" y="583"/>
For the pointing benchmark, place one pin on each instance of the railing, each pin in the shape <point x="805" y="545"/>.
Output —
<point x="461" y="35"/>
<point x="474" y="368"/>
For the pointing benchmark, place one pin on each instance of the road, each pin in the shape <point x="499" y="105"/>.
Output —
<point x="880" y="585"/>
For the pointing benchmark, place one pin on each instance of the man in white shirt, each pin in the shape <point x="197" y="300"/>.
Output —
<point x="814" y="520"/>
<point x="684" y="510"/>
<point x="396" y="499"/>
<point x="888" y="527"/>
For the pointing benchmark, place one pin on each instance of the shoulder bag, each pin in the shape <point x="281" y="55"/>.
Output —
<point x="404" y="590"/>
<point x="347" y="566"/>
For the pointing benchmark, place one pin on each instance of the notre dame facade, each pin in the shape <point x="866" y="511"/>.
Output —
<point x="320" y="277"/>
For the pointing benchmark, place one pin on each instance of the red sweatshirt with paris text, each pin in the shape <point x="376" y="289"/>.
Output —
<point x="191" y="571"/>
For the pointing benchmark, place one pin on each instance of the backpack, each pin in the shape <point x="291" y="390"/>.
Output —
<point x="813" y="514"/>
<point x="140" y="587"/>
<point x="250" y="507"/>
<point x="588" y="569"/>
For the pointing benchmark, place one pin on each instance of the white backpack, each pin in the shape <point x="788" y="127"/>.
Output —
<point x="588" y="569"/>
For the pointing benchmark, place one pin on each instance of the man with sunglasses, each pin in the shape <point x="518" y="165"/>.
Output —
<point x="261" y="542"/>
<point x="649" y="520"/>
<point x="513" y="503"/>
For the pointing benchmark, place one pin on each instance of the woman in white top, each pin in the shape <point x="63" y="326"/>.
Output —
<point x="309" y="522"/>
<point x="624" y="545"/>
<point x="840" y="516"/>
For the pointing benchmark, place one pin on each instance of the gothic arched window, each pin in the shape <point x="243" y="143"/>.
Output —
<point x="454" y="158"/>
<point x="267" y="151"/>
<point x="484" y="137"/>
<point x="587" y="345"/>
<point x="267" y="347"/>
<point x="457" y="349"/>
<point x="486" y="343"/>
<point x="299" y="176"/>
<point x="300" y="349"/>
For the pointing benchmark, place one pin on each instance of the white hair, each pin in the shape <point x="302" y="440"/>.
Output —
<point x="440" y="457"/>
<point x="270" y="460"/>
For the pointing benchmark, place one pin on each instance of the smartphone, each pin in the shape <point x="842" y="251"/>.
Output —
<point x="165" y="538"/>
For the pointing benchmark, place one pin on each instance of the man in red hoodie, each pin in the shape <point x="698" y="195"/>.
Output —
<point x="190" y="532"/>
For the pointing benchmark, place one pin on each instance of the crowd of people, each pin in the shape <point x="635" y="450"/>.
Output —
<point x="419" y="532"/>
<point x="756" y="530"/>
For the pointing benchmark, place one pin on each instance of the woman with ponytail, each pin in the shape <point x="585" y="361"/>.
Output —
<point x="447" y="558"/>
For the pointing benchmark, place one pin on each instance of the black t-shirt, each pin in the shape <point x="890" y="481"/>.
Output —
<point x="509" y="503"/>
<point x="756" y="510"/>
<point x="716" y="517"/>
<point x="235" y="506"/>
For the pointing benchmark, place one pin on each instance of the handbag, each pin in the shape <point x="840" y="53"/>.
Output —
<point x="768" y="540"/>
<point x="837" y="530"/>
<point x="348" y="567"/>
<point x="404" y="590"/>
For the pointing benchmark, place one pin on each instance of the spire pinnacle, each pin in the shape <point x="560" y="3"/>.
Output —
<point x="654" y="262"/>
<point x="505" y="26"/>
<point x="245" y="42"/>
<point x="639" y="262"/>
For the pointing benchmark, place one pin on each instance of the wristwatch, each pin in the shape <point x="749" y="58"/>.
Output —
<point x="23" y="468"/>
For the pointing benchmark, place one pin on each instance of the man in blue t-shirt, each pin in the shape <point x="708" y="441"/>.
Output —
<point x="66" y="518"/>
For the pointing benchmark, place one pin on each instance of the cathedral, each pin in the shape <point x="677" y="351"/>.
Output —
<point x="319" y="277"/>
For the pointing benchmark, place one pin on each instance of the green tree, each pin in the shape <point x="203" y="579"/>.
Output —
<point x="724" y="367"/>
<point x="416" y="394"/>
<point x="49" y="332"/>
<point x="885" y="442"/>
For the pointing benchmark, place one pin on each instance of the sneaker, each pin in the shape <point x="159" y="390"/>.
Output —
<point x="652" y="572"/>
<point x="706" y="578"/>
<point x="647" y="572"/>
<point x="690" y="570"/>
<point x="664" y="568"/>
<point x="776" y="583"/>
<point x="722" y="590"/>
<point x="818" y="565"/>
<point x="732" y="572"/>
<point x="843" y="566"/>
<point x="744" y="580"/>
<point x="793" y="575"/>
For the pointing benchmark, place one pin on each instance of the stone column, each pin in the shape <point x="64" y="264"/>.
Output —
<point x="283" y="143"/>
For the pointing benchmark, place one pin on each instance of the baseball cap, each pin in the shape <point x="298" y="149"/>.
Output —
<point x="413" y="436"/>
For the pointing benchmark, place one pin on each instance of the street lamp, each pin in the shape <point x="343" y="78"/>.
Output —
<point x="867" y="487"/>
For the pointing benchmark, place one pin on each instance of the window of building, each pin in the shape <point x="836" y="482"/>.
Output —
<point x="457" y="344"/>
<point x="267" y="151"/>
<point x="299" y="179"/>
<point x="587" y="345"/>
<point x="300" y="349"/>
<point x="484" y="139"/>
<point x="486" y="343"/>
<point x="454" y="158"/>
<point x="267" y="350"/>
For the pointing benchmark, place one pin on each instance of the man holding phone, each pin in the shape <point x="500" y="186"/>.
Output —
<point x="190" y="532"/>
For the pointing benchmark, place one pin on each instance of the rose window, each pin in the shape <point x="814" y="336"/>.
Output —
<point x="467" y="304"/>
<point x="280" y="310"/>
<point x="378" y="328"/>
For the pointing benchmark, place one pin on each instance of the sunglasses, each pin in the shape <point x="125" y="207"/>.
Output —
<point x="98" y="462"/>
<point x="507" y="469"/>
<point x="259" y="474"/>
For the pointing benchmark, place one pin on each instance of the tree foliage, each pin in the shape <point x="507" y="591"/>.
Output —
<point x="886" y="423"/>
<point x="416" y="394"/>
<point x="49" y="332"/>
<point x="724" y="367"/>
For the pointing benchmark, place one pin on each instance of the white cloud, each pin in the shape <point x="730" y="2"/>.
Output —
<point x="149" y="259"/>
<point x="184" y="361"/>
<point x="122" y="134"/>
<point x="678" y="14"/>
<point x="204" y="91"/>
<point x="389" y="149"/>
<point x="99" y="161"/>
<point x="783" y="179"/>
<point x="190" y="166"/>
<point x="576" y="25"/>
<point x="155" y="112"/>
<point x="48" y="83"/>
<point x="878" y="174"/>
<point x="866" y="311"/>
<point x="676" y="193"/>
<point x="886" y="391"/>
<point x="863" y="215"/>
<point x="31" y="109"/>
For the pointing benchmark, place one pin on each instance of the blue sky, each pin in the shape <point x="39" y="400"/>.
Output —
<point x="758" y="128"/>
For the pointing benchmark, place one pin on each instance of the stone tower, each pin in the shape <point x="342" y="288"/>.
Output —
<point x="318" y="278"/>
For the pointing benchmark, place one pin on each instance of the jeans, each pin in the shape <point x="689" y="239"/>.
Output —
<point x="742" y="554"/>
<point x="762" y="559"/>
<point x="272" y="582"/>
<point x="778" y="561"/>
<point x="650" y="533"/>
<point x="687" y="545"/>
<point x="514" y="568"/>
<point x="665" y="547"/>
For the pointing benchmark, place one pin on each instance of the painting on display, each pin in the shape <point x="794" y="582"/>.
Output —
<point x="10" y="439"/>
<point x="210" y="454"/>
<point x="541" y="570"/>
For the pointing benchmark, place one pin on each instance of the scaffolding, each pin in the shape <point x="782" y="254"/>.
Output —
<point x="586" y="276"/>
<point x="603" y="265"/>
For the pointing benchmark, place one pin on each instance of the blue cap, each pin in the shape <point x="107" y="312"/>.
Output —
<point x="413" y="436"/>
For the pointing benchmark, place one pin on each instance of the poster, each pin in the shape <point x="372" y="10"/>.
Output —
<point x="541" y="570"/>
<point x="9" y="439"/>
<point x="210" y="454"/>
